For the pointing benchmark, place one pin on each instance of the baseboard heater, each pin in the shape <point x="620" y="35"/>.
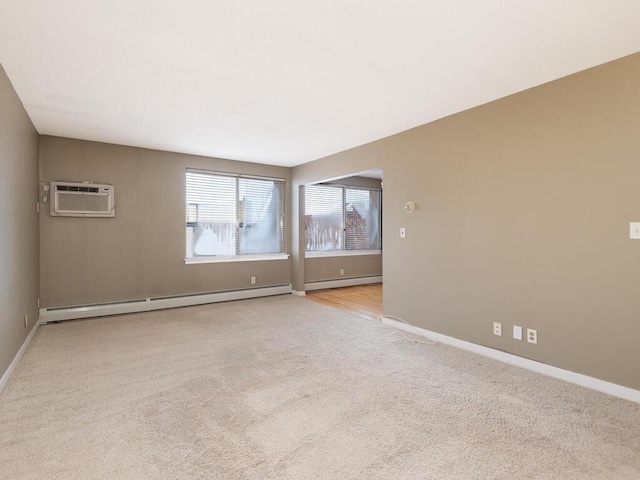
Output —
<point x="56" y="314"/>
<point x="342" y="282"/>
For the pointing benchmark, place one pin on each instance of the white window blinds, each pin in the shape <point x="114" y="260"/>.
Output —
<point x="341" y="218"/>
<point x="362" y="219"/>
<point x="323" y="217"/>
<point x="229" y="215"/>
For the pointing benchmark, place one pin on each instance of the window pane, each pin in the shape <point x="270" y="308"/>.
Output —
<point x="323" y="218"/>
<point x="261" y="223"/>
<point x="362" y="222"/>
<point x="233" y="215"/>
<point x="342" y="218"/>
<point x="211" y="215"/>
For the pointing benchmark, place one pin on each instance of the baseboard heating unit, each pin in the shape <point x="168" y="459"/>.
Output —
<point x="56" y="314"/>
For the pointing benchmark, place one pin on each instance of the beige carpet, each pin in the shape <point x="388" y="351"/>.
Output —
<point x="287" y="388"/>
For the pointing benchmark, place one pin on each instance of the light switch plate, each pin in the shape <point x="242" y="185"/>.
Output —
<point x="517" y="332"/>
<point x="634" y="228"/>
<point x="403" y="232"/>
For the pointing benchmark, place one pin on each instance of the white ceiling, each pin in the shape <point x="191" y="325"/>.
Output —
<point x="287" y="81"/>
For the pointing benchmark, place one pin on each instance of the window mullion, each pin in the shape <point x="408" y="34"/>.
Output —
<point x="344" y="218"/>
<point x="239" y="219"/>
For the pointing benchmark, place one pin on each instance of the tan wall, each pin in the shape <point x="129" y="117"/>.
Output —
<point x="523" y="218"/>
<point x="18" y="223"/>
<point x="328" y="268"/>
<point x="139" y="253"/>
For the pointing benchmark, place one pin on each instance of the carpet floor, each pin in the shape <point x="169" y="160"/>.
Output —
<point x="285" y="388"/>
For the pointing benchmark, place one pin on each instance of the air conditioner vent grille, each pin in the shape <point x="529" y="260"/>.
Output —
<point x="76" y="199"/>
<point x="72" y="188"/>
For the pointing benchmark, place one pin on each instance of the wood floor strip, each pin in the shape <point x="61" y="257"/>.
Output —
<point x="363" y="300"/>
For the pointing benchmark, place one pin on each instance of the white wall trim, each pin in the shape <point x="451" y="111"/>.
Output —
<point x="347" y="282"/>
<point x="237" y="258"/>
<point x="148" y="304"/>
<point x="298" y="293"/>
<point x="549" y="370"/>
<point x="12" y="366"/>
<point x="340" y="253"/>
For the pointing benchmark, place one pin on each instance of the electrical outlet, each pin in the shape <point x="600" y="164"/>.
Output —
<point x="342" y="272"/>
<point x="253" y="280"/>
<point x="497" y="329"/>
<point x="532" y="335"/>
<point x="26" y="320"/>
<point x="517" y="332"/>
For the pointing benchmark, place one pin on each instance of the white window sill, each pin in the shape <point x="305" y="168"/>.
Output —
<point x="341" y="253"/>
<point x="239" y="258"/>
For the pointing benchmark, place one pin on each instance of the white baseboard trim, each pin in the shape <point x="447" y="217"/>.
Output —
<point x="347" y="282"/>
<point x="549" y="370"/>
<point x="298" y="293"/>
<point x="148" y="304"/>
<point x="12" y="366"/>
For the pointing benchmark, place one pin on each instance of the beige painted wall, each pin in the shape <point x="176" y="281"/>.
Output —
<point x="139" y="253"/>
<point x="523" y="218"/>
<point x="328" y="268"/>
<point x="355" y="266"/>
<point x="317" y="269"/>
<point x="18" y="223"/>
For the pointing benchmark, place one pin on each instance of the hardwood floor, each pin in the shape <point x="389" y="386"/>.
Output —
<point x="362" y="300"/>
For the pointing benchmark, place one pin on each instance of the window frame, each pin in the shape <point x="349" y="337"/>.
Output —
<point x="343" y="252"/>
<point x="238" y="257"/>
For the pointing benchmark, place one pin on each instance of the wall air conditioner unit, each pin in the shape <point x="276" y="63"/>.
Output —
<point x="82" y="199"/>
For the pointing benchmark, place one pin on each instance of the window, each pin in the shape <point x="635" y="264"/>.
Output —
<point x="342" y="219"/>
<point x="233" y="216"/>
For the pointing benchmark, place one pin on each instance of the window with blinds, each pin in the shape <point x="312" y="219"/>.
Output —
<point x="339" y="218"/>
<point x="233" y="215"/>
